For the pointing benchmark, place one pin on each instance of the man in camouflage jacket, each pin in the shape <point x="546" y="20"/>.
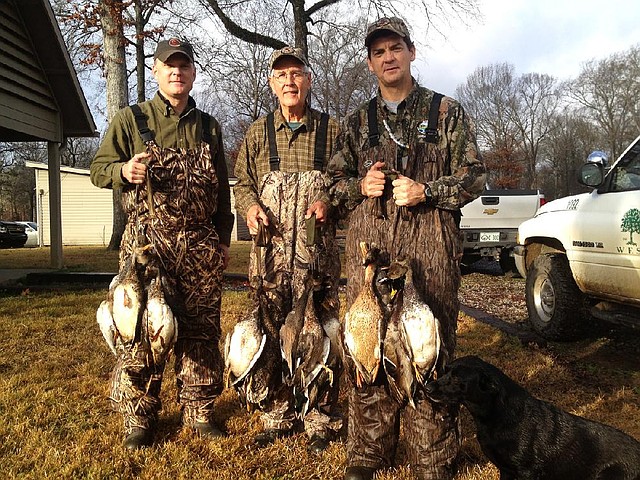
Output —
<point x="415" y="215"/>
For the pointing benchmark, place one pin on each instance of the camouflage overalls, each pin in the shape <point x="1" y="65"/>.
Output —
<point x="285" y="262"/>
<point x="429" y="236"/>
<point x="185" y="188"/>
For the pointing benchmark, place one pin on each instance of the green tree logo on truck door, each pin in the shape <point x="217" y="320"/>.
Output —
<point x="631" y="224"/>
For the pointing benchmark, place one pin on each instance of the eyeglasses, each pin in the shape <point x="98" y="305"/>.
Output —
<point x="282" y="76"/>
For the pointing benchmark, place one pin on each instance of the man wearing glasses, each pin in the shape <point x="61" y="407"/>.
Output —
<point x="282" y="189"/>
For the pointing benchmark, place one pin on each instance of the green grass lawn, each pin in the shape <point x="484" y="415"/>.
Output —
<point x="98" y="259"/>
<point x="56" y="422"/>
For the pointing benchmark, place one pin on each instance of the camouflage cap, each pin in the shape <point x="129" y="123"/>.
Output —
<point x="292" y="52"/>
<point x="166" y="48"/>
<point x="392" y="24"/>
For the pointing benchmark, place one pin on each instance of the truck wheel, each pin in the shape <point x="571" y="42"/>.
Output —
<point x="508" y="264"/>
<point x="555" y="304"/>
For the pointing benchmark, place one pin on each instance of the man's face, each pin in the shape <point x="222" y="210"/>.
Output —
<point x="293" y="87"/>
<point x="175" y="77"/>
<point x="390" y="60"/>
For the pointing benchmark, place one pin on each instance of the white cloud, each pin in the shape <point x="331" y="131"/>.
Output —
<point x="546" y="36"/>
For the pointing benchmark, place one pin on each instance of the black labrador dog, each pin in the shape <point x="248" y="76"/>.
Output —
<point x="530" y="439"/>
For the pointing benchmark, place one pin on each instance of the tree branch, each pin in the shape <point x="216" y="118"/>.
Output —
<point x="244" y="34"/>
<point x="319" y="6"/>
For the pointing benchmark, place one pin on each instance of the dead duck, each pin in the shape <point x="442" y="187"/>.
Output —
<point x="419" y="328"/>
<point x="120" y="316"/>
<point x="396" y="357"/>
<point x="159" y="321"/>
<point x="252" y="363"/>
<point x="290" y="335"/>
<point x="364" y="323"/>
<point x="244" y="345"/>
<point x="312" y="352"/>
<point x="107" y="326"/>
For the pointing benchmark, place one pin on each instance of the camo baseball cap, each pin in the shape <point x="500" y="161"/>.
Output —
<point x="166" y="48"/>
<point x="292" y="52"/>
<point x="392" y="24"/>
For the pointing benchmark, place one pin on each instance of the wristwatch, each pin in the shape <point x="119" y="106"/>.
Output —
<point x="428" y="196"/>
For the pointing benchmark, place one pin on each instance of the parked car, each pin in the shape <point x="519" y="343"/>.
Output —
<point x="31" y="229"/>
<point x="580" y="254"/>
<point x="12" y="235"/>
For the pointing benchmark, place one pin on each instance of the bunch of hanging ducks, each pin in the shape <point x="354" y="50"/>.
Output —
<point x="136" y="310"/>
<point x="392" y="328"/>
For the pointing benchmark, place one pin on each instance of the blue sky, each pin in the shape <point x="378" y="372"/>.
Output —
<point x="555" y="37"/>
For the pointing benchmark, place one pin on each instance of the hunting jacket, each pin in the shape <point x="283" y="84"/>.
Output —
<point x="122" y="141"/>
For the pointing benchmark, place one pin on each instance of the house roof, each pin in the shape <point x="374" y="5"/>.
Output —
<point x="49" y="47"/>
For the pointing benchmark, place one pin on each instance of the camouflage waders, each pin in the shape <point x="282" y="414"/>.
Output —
<point x="285" y="262"/>
<point x="430" y="236"/>
<point x="185" y="189"/>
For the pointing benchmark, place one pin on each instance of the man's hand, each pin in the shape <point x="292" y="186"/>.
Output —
<point x="255" y="212"/>
<point x="372" y="184"/>
<point x="224" y="249"/>
<point x="135" y="170"/>
<point x="407" y="192"/>
<point x="318" y="208"/>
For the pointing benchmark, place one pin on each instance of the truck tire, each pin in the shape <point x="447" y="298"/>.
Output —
<point x="555" y="304"/>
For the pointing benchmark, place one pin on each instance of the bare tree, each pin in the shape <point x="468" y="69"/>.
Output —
<point x="341" y="78"/>
<point x="295" y="14"/>
<point x="534" y="103"/>
<point x="609" y="90"/>
<point x="488" y="96"/>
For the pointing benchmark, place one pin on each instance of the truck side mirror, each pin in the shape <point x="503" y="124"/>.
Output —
<point x="591" y="174"/>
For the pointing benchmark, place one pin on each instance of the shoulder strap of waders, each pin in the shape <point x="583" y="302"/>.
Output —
<point x="141" y="123"/>
<point x="372" y="119"/>
<point x="274" y="158"/>
<point x="320" y="148"/>
<point x="431" y="133"/>
<point x="206" y="127"/>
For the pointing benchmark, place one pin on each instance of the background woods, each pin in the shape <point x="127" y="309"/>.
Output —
<point x="533" y="128"/>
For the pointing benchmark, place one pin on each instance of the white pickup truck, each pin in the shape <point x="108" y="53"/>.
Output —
<point x="581" y="254"/>
<point x="490" y="223"/>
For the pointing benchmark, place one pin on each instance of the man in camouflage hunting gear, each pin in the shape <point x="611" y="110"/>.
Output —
<point x="282" y="185"/>
<point x="430" y="148"/>
<point x="168" y="158"/>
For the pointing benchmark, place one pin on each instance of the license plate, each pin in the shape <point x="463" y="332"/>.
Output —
<point x="490" y="237"/>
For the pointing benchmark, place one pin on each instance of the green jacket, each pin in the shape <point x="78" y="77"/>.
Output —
<point x="122" y="141"/>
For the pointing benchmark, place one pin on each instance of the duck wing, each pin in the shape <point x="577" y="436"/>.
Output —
<point x="107" y="325"/>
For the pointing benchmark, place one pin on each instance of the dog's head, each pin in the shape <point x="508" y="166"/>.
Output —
<point x="469" y="381"/>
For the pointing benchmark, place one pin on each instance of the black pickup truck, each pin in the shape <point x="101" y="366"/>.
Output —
<point x="12" y="234"/>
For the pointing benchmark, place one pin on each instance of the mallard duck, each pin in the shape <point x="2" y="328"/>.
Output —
<point x="419" y="328"/>
<point x="160" y="323"/>
<point x="364" y="323"/>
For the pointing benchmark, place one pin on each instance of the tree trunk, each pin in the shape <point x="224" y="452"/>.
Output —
<point x="115" y="70"/>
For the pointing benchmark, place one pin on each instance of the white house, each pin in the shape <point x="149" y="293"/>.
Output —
<point x="87" y="211"/>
